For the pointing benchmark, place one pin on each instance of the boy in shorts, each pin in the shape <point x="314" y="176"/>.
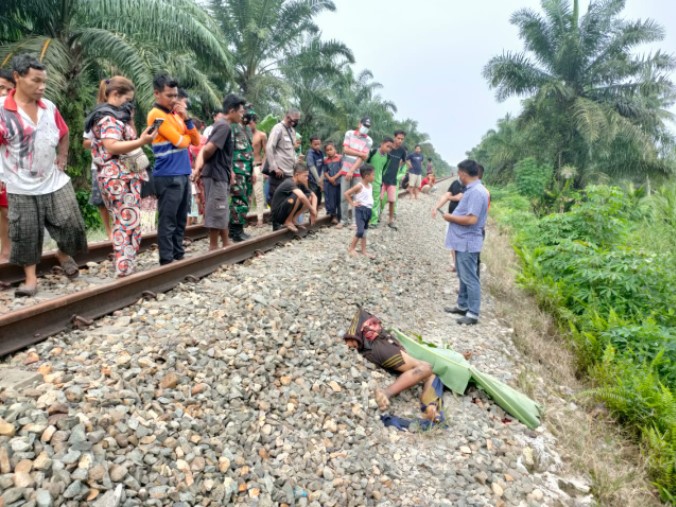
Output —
<point x="360" y="198"/>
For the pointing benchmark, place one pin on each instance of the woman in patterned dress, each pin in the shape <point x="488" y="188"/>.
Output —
<point x="114" y="135"/>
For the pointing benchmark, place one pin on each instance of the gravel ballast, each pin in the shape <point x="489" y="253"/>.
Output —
<point x="239" y="389"/>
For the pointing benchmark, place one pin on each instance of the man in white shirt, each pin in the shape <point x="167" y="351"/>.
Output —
<point x="34" y="140"/>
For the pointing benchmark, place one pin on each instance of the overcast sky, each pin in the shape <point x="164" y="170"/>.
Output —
<point x="429" y="56"/>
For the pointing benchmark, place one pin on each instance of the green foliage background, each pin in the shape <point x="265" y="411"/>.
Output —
<point x="599" y="270"/>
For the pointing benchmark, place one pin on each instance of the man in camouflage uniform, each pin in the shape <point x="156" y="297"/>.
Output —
<point x="240" y="192"/>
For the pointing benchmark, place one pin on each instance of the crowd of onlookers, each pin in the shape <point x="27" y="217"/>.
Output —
<point x="201" y="174"/>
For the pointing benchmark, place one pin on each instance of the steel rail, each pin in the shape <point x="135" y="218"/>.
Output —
<point x="24" y="327"/>
<point x="32" y="324"/>
<point x="11" y="274"/>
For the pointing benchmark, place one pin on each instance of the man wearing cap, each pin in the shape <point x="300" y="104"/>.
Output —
<point x="356" y="147"/>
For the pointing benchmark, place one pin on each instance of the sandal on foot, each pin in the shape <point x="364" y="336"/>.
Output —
<point x="382" y="400"/>
<point x="70" y="268"/>
<point x="292" y="228"/>
<point x="24" y="291"/>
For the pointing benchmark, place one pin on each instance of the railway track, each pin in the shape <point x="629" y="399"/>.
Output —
<point x="21" y="328"/>
<point x="11" y="274"/>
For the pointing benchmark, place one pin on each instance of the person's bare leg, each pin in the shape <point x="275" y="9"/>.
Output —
<point x="289" y="222"/>
<point x="352" y="250"/>
<point x="225" y="241"/>
<point x="453" y="261"/>
<point x="363" y="249"/>
<point x="412" y="371"/>
<point x="30" y="273"/>
<point x="105" y="218"/>
<point x="391" y="212"/>
<point x="214" y="234"/>
<point x="5" y="245"/>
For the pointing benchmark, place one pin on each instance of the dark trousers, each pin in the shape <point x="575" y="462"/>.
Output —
<point x="173" y="204"/>
<point x="332" y="197"/>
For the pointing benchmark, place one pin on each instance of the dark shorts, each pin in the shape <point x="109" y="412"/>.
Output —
<point x="57" y="211"/>
<point x="386" y="353"/>
<point x="362" y="217"/>
<point x="216" y="208"/>
<point x="282" y="212"/>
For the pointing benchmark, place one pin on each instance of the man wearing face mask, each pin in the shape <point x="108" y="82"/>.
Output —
<point x="356" y="147"/>
<point x="280" y="151"/>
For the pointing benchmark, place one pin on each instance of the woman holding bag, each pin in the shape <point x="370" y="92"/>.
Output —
<point x="121" y="166"/>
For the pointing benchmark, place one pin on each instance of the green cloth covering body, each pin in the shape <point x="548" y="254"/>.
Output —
<point x="456" y="372"/>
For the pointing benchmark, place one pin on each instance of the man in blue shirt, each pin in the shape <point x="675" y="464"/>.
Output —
<point x="315" y="164"/>
<point x="465" y="236"/>
<point x="415" y="162"/>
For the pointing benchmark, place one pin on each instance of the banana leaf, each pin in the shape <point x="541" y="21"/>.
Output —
<point x="456" y="372"/>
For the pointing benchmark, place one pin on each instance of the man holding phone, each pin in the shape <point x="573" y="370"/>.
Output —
<point x="176" y="132"/>
<point x="465" y="236"/>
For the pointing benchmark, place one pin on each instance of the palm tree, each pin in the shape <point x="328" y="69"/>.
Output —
<point x="266" y="35"/>
<point x="602" y="108"/>
<point x="82" y="41"/>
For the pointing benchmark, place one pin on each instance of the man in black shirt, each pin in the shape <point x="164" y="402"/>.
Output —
<point x="452" y="196"/>
<point x="214" y="166"/>
<point x="293" y="198"/>
<point x="395" y="167"/>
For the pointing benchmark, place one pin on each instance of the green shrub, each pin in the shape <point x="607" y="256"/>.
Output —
<point x="602" y="270"/>
<point x="532" y="178"/>
<point x="91" y="216"/>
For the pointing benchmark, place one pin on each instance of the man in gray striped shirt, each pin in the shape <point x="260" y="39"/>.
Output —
<point x="465" y="236"/>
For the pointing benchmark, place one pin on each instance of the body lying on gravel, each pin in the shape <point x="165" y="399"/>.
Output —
<point x="417" y="361"/>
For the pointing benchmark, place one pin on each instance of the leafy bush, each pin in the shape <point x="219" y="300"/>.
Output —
<point x="532" y="178"/>
<point x="91" y="216"/>
<point x="603" y="271"/>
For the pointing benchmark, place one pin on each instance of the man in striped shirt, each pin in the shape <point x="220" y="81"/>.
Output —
<point x="172" y="167"/>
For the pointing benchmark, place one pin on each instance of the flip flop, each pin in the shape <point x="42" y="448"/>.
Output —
<point x="23" y="291"/>
<point x="70" y="268"/>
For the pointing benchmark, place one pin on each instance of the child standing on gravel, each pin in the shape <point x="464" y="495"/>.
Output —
<point x="332" y="164"/>
<point x="360" y="198"/>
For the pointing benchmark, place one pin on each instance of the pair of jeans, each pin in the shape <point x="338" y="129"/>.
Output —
<point x="469" y="296"/>
<point x="344" y="207"/>
<point x="173" y="204"/>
